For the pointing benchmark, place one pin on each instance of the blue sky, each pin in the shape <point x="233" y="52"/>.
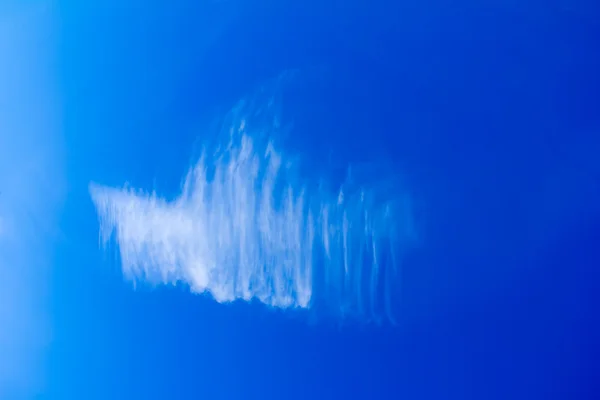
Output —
<point x="403" y="199"/>
<point x="33" y="187"/>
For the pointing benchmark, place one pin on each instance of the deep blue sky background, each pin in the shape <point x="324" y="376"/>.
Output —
<point x="490" y="112"/>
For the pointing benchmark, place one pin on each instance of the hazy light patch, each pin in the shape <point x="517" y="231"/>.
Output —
<point x="249" y="225"/>
<point x="30" y="192"/>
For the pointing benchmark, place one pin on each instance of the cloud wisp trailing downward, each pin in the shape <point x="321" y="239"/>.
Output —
<point x="247" y="226"/>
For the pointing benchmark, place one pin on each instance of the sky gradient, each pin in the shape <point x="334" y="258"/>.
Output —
<point x="267" y="199"/>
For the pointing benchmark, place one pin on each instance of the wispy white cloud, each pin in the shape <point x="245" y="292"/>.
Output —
<point x="29" y="194"/>
<point x="249" y="225"/>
